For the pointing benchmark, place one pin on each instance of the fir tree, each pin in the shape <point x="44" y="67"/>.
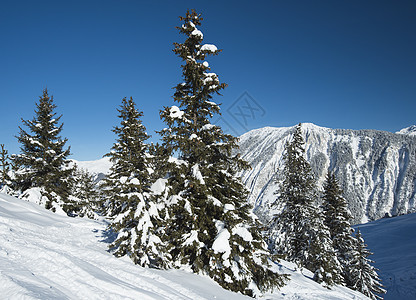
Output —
<point x="209" y="227"/>
<point x="337" y="219"/>
<point x="364" y="277"/>
<point x="127" y="191"/>
<point x="298" y="232"/>
<point x="5" y="167"/>
<point x="43" y="160"/>
<point x="84" y="200"/>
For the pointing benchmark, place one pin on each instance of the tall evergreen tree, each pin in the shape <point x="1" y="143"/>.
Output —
<point x="5" y="166"/>
<point x="298" y="232"/>
<point x="364" y="277"/>
<point x="127" y="190"/>
<point x="337" y="219"/>
<point x="43" y="160"/>
<point x="209" y="227"/>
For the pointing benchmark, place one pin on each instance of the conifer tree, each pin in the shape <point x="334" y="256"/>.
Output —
<point x="5" y="167"/>
<point x="364" y="277"/>
<point x="43" y="159"/>
<point x="337" y="219"/>
<point x="209" y="227"/>
<point x="127" y="190"/>
<point x="298" y="232"/>
<point x="84" y="200"/>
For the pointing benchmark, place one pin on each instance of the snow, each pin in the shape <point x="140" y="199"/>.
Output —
<point x="205" y="64"/>
<point x="209" y="48"/>
<point x="175" y="112"/>
<point x="135" y="181"/>
<point x="197" y="174"/>
<point x="209" y="77"/>
<point x="243" y="232"/>
<point x="159" y="186"/>
<point x="192" y="237"/>
<point x="197" y="33"/>
<point x="228" y="207"/>
<point x="48" y="256"/>
<point x="207" y="127"/>
<point x="393" y="242"/>
<point x="408" y="130"/>
<point x="222" y="243"/>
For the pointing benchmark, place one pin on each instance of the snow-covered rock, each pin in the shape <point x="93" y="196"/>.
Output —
<point x="376" y="169"/>
<point x="409" y="130"/>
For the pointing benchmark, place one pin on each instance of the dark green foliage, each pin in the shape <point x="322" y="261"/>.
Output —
<point x="5" y="167"/>
<point x="126" y="191"/>
<point x="364" y="277"/>
<point x="129" y="158"/>
<point x="84" y="200"/>
<point x="337" y="219"/>
<point x="158" y="161"/>
<point x="43" y="160"/>
<point x="209" y="225"/>
<point x="298" y="232"/>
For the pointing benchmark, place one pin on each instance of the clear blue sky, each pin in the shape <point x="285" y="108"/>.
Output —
<point x="338" y="64"/>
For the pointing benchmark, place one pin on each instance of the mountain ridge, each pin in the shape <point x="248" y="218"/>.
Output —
<point x="376" y="169"/>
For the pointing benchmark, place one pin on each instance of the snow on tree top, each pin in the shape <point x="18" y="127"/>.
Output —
<point x="206" y="64"/>
<point x="209" y="47"/>
<point x="197" y="33"/>
<point x="175" y="112"/>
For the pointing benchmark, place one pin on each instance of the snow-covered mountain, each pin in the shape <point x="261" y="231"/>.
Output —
<point x="98" y="168"/>
<point x="408" y="130"/>
<point x="376" y="169"/>
<point x="44" y="255"/>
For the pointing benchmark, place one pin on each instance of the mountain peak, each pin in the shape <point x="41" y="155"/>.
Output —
<point x="408" y="130"/>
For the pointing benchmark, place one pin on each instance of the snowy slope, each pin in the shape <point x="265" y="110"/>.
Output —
<point x="48" y="256"/>
<point x="393" y="241"/>
<point x="376" y="169"/>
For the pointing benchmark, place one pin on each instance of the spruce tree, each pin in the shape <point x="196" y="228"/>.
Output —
<point x="337" y="219"/>
<point x="127" y="191"/>
<point x="364" y="277"/>
<point x="43" y="159"/>
<point x="298" y="232"/>
<point x="209" y="224"/>
<point x="5" y="167"/>
<point x="84" y="200"/>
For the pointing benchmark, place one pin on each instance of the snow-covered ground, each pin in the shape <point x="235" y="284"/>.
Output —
<point x="393" y="241"/>
<point x="50" y="256"/>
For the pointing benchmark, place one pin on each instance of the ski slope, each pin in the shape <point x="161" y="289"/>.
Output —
<point x="44" y="255"/>
<point x="393" y="241"/>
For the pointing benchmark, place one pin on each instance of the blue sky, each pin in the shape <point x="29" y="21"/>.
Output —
<point x="338" y="64"/>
